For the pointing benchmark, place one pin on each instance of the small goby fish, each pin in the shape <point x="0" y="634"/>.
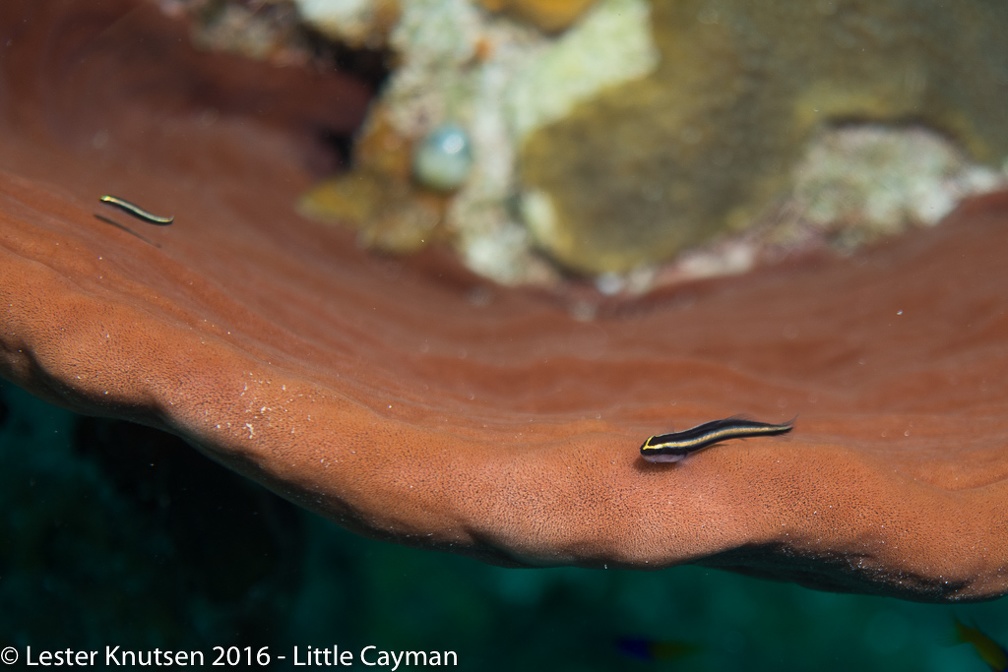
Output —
<point x="677" y="445"/>
<point x="136" y="210"/>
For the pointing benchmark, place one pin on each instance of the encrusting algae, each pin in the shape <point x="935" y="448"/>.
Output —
<point x="708" y="141"/>
<point x="697" y="135"/>
<point x="547" y="15"/>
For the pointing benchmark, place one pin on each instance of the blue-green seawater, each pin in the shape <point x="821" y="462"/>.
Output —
<point x="114" y="534"/>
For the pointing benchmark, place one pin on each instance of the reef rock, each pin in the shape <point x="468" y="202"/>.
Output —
<point x="708" y="141"/>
